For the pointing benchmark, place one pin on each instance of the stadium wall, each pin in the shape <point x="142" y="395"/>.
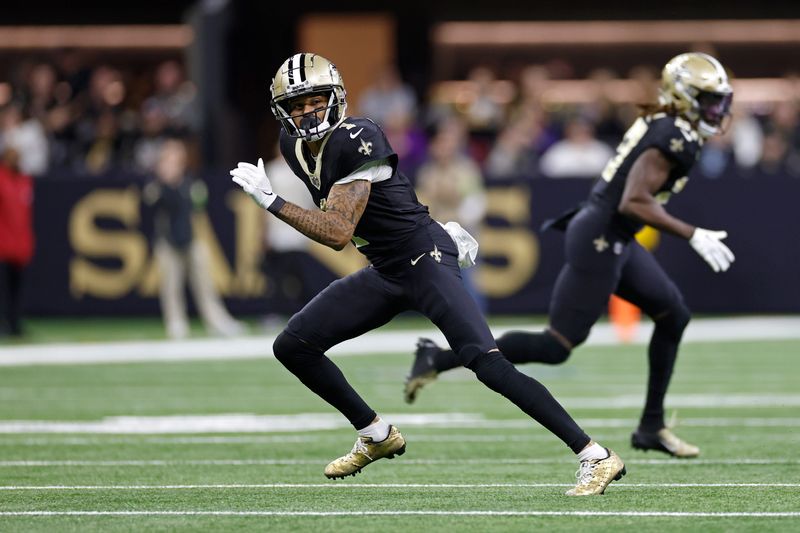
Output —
<point x="94" y="250"/>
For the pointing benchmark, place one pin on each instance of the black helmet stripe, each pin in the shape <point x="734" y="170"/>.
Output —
<point x="291" y="69"/>
<point x="302" y="68"/>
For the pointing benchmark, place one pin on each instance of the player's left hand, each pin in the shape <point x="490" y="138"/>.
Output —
<point x="708" y="244"/>
<point x="254" y="181"/>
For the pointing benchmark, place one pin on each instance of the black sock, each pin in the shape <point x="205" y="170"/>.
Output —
<point x="322" y="377"/>
<point x="662" y="353"/>
<point x="445" y="360"/>
<point x="497" y="373"/>
<point x="518" y="347"/>
<point x="528" y="347"/>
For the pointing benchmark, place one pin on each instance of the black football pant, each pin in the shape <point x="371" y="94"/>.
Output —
<point x="369" y="298"/>
<point x="626" y="269"/>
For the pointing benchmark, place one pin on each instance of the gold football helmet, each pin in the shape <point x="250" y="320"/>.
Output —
<point x="304" y="75"/>
<point x="697" y="86"/>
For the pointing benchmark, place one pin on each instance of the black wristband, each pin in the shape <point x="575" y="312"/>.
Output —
<point x="276" y="205"/>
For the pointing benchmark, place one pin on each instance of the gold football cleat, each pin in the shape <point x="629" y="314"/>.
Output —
<point x="365" y="452"/>
<point x="594" y="476"/>
<point x="664" y="441"/>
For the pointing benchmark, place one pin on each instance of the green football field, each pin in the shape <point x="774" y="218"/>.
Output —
<point x="239" y="444"/>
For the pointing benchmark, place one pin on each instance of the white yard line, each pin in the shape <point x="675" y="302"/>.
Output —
<point x="729" y="400"/>
<point x="789" y="435"/>
<point x="347" y="486"/>
<point x="589" y="514"/>
<point x="407" y="462"/>
<point x="258" y="347"/>
<point x="306" y="422"/>
<point x="275" y="440"/>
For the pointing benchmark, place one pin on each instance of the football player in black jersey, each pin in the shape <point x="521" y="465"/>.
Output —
<point x="602" y="256"/>
<point x="351" y="171"/>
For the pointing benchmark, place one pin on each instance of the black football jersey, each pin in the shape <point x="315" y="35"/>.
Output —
<point x="392" y="215"/>
<point x="674" y="137"/>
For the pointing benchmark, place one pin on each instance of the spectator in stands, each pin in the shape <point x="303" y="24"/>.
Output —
<point x="578" y="155"/>
<point x="104" y="150"/>
<point x="96" y="128"/>
<point x="533" y="81"/>
<point x="106" y="91"/>
<point x="174" y="97"/>
<point x="515" y="153"/>
<point x="746" y="137"/>
<point x="392" y="103"/>
<point x="26" y="136"/>
<point x="777" y="159"/>
<point x="388" y="96"/>
<point x="482" y="111"/>
<point x="74" y="69"/>
<point x="602" y="111"/>
<point x="175" y="196"/>
<point x="147" y="147"/>
<point x="16" y="239"/>
<point x="40" y="97"/>
<point x="785" y="120"/>
<point x="527" y="115"/>
<point x="484" y="114"/>
<point x="409" y="141"/>
<point x="48" y="100"/>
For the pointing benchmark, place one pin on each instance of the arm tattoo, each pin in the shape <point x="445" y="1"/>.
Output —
<point x="333" y="227"/>
<point x="349" y="200"/>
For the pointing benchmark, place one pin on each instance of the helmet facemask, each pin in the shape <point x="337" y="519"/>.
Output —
<point x="714" y="109"/>
<point x="311" y="127"/>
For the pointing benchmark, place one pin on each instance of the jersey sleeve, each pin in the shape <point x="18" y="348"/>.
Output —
<point x="374" y="173"/>
<point x="676" y="140"/>
<point x="362" y="143"/>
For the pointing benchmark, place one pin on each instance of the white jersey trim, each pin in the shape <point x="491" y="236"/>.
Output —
<point x="373" y="174"/>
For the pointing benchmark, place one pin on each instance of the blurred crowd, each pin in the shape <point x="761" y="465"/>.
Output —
<point x="520" y="127"/>
<point x="67" y="113"/>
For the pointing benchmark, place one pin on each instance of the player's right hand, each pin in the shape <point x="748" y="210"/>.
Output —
<point x="254" y="181"/>
<point x="708" y="244"/>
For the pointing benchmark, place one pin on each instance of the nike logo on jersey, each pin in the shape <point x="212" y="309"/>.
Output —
<point x="356" y="134"/>
<point x="436" y="254"/>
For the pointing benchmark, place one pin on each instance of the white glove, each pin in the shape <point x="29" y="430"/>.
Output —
<point x="710" y="247"/>
<point x="253" y="179"/>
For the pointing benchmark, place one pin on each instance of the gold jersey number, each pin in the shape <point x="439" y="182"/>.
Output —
<point x="631" y="139"/>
